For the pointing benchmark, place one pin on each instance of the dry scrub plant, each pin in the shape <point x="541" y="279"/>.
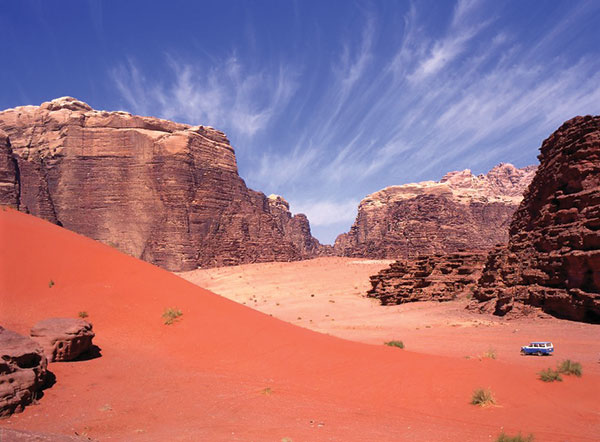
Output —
<point x="550" y="375"/>
<point x="171" y="314"/>
<point x="490" y="354"/>
<point x="482" y="397"/>
<point x="518" y="438"/>
<point x="398" y="344"/>
<point x="569" y="367"/>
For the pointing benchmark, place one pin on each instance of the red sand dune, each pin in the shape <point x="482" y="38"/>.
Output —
<point x="206" y="377"/>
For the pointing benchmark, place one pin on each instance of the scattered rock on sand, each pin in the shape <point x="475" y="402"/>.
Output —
<point x="22" y="372"/>
<point x="63" y="339"/>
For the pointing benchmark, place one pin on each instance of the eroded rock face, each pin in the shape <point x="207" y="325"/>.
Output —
<point x="9" y="183"/>
<point x="552" y="259"/>
<point x="438" y="277"/>
<point x="161" y="191"/>
<point x="462" y="211"/>
<point x="63" y="339"/>
<point x="22" y="371"/>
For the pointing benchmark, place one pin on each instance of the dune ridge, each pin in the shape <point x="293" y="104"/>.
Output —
<point x="226" y="372"/>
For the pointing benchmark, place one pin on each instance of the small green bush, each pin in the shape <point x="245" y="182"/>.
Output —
<point x="83" y="315"/>
<point x="398" y="344"/>
<point x="482" y="397"/>
<point x="518" y="438"/>
<point x="550" y="375"/>
<point x="171" y="314"/>
<point x="569" y="367"/>
<point x="50" y="284"/>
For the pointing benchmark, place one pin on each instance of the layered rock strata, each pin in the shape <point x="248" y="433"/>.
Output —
<point x="552" y="259"/>
<point x="161" y="191"/>
<point x="462" y="211"/>
<point x="438" y="277"/>
<point x="22" y="371"/>
<point x="63" y="339"/>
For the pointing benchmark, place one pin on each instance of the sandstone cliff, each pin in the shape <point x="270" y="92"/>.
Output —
<point x="161" y="191"/>
<point x="462" y="211"/>
<point x="553" y="256"/>
<point x="439" y="277"/>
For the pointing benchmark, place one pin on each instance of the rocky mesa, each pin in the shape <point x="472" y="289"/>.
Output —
<point x="165" y="192"/>
<point x="552" y="259"/>
<point x="460" y="212"/>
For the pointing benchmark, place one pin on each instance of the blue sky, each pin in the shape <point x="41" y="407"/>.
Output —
<point x="324" y="101"/>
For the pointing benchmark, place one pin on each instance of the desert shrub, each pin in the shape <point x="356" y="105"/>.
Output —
<point x="267" y="391"/>
<point x="490" y="354"/>
<point x="83" y="315"/>
<point x="569" y="367"/>
<point x="50" y="284"/>
<point x="550" y="375"/>
<point x="518" y="438"/>
<point x="171" y="314"/>
<point x="398" y="344"/>
<point x="482" y="397"/>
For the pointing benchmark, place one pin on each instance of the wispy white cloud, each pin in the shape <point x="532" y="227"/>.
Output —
<point x="395" y="104"/>
<point x="322" y="212"/>
<point x="226" y="94"/>
<point x="275" y="168"/>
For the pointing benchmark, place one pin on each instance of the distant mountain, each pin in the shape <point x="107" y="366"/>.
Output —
<point x="460" y="212"/>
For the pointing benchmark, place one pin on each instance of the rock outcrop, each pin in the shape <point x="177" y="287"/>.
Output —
<point x="552" y="259"/>
<point x="462" y="211"/>
<point x="63" y="339"/>
<point x="161" y="191"/>
<point x="22" y="371"/>
<point x="438" y="277"/>
<point x="9" y="182"/>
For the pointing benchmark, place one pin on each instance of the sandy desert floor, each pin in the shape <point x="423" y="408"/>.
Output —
<point x="328" y="295"/>
<point x="226" y="372"/>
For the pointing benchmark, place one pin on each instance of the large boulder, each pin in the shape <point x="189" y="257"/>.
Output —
<point x="552" y="260"/>
<point x="22" y="372"/>
<point x="461" y="211"/>
<point x="164" y="192"/>
<point x="63" y="339"/>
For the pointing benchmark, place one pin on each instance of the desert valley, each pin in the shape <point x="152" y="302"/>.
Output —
<point x="299" y="354"/>
<point x="271" y="221"/>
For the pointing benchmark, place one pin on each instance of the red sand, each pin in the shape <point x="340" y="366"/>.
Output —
<point x="328" y="295"/>
<point x="205" y="377"/>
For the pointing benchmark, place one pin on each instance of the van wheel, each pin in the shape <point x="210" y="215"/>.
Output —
<point x="522" y="353"/>
<point x="539" y="353"/>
